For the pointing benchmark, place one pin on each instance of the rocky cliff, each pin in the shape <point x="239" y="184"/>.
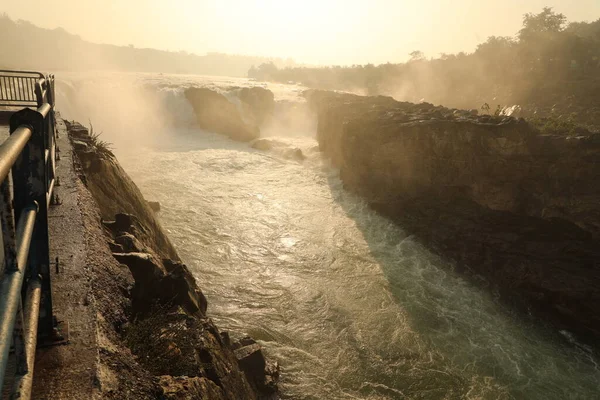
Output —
<point x="158" y="341"/>
<point x="215" y="113"/>
<point x="505" y="202"/>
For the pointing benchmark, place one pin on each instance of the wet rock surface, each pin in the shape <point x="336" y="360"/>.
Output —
<point x="215" y="113"/>
<point x="259" y="102"/>
<point x="262" y="373"/>
<point x="154" y="205"/>
<point x="184" y="388"/>
<point x="281" y="148"/>
<point x="151" y="305"/>
<point x="519" y="208"/>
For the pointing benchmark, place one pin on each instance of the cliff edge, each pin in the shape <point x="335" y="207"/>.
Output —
<point x="506" y="203"/>
<point x="155" y="337"/>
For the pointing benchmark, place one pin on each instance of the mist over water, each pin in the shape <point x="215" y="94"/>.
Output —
<point x="349" y="304"/>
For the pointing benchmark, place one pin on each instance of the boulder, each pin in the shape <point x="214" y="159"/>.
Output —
<point x="129" y="243"/>
<point x="144" y="267"/>
<point x="217" y="114"/>
<point x="153" y="285"/>
<point x="251" y="359"/>
<point x="123" y="223"/>
<point x="294" y="154"/>
<point x="179" y="287"/>
<point x="147" y="273"/>
<point x="115" y="247"/>
<point x="281" y="148"/>
<point x="261" y="373"/>
<point x="266" y="144"/>
<point x="154" y="205"/>
<point x="245" y="341"/>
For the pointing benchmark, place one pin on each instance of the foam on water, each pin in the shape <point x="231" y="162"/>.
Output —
<point x="349" y="304"/>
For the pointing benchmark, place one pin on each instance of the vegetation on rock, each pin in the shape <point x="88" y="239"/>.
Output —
<point x="550" y="67"/>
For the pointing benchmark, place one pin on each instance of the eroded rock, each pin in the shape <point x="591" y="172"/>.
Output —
<point x="129" y="243"/>
<point x="259" y="101"/>
<point x="180" y="286"/>
<point x="278" y="147"/>
<point x="217" y="114"/>
<point x="519" y="208"/>
<point x="154" y="205"/>
<point x="261" y="373"/>
<point x="154" y="285"/>
<point x="152" y="302"/>
<point x="186" y="388"/>
<point x="123" y="223"/>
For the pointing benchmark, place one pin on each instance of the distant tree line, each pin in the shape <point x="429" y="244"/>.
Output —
<point x="504" y="70"/>
<point x="26" y="46"/>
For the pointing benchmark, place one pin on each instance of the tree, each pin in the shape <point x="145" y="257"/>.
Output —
<point x="265" y="71"/>
<point x="416" y="55"/>
<point x="495" y="44"/>
<point x="546" y="22"/>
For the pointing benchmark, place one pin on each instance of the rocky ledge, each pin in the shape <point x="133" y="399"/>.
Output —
<point x="491" y="193"/>
<point x="240" y="119"/>
<point x="158" y="341"/>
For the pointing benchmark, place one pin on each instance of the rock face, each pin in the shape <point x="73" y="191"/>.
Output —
<point x="259" y="371"/>
<point x="156" y="308"/>
<point x="259" y="101"/>
<point x="520" y="208"/>
<point x="217" y="114"/>
<point x="117" y="195"/>
<point x="154" y="205"/>
<point x="292" y="153"/>
<point x="155" y="286"/>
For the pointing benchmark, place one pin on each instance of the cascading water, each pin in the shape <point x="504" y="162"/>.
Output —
<point x="350" y="306"/>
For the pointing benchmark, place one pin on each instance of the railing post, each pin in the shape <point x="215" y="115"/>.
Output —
<point x="38" y="92"/>
<point x="11" y="285"/>
<point x="24" y="382"/>
<point x="30" y="184"/>
<point x="19" y="341"/>
<point x="7" y="220"/>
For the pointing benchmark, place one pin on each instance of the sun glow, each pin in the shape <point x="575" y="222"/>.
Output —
<point x="338" y="32"/>
<point x="290" y="26"/>
<point x="321" y="31"/>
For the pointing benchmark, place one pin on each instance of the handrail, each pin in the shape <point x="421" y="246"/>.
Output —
<point x="11" y="149"/>
<point x="14" y="71"/>
<point x="24" y="382"/>
<point x="10" y="288"/>
<point x="25" y="88"/>
<point x="26" y="158"/>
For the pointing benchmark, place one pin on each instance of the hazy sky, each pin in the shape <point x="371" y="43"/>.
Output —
<point x="310" y="31"/>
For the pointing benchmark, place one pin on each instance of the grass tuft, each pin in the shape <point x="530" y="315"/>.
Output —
<point x="101" y="146"/>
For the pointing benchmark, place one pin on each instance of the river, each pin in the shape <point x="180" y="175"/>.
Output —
<point x="349" y="304"/>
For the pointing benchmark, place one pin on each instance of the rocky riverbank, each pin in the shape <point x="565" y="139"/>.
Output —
<point x="157" y="338"/>
<point x="508" y="204"/>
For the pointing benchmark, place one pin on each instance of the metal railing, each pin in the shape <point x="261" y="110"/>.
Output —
<point x="26" y="158"/>
<point x="25" y="88"/>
